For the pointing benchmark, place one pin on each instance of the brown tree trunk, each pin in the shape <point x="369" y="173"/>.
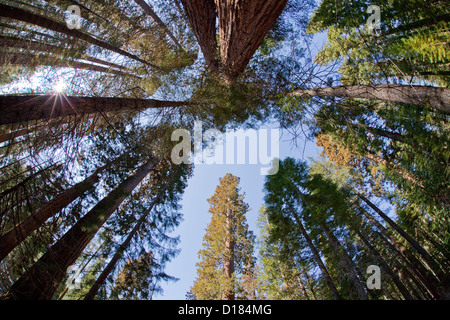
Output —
<point x="437" y="98"/>
<point x="29" y="17"/>
<point x="148" y="9"/>
<point x="202" y="17"/>
<point x="24" y="59"/>
<point x="386" y="268"/>
<point x="420" y="250"/>
<point x="13" y="237"/>
<point x="16" y="109"/>
<point x="41" y="281"/>
<point x="112" y="263"/>
<point x="242" y="28"/>
<point x="12" y="42"/>
<point x="228" y="292"/>
<point x="346" y="261"/>
<point x="316" y="256"/>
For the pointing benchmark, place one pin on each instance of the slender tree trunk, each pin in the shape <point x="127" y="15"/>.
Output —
<point x="243" y="26"/>
<point x="16" y="109"/>
<point x="41" y="281"/>
<point x="420" y="250"/>
<point x="112" y="263"/>
<point x="12" y="42"/>
<point x="228" y="292"/>
<point x="202" y="17"/>
<point x="386" y="267"/>
<point x="346" y="261"/>
<point x="25" y="59"/>
<point x="437" y="98"/>
<point x="29" y="17"/>
<point x="148" y="9"/>
<point x="317" y="257"/>
<point x="14" y="236"/>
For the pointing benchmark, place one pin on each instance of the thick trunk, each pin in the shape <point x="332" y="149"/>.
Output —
<point x="43" y="278"/>
<point x="202" y="17"/>
<point x="420" y="250"/>
<point x="16" y="109"/>
<point x="346" y="261"/>
<point x="148" y="9"/>
<point x="13" y="237"/>
<point x="242" y="28"/>
<point x="317" y="258"/>
<point x="29" y="17"/>
<point x="437" y="98"/>
<point x="228" y="259"/>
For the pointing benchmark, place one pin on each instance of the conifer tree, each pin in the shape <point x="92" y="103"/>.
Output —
<point x="226" y="259"/>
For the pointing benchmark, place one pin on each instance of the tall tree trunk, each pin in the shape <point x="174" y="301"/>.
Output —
<point x="29" y="17"/>
<point x="386" y="267"/>
<point x="242" y="28"/>
<point x="13" y="42"/>
<point x="420" y="250"/>
<point x="148" y="9"/>
<point x="437" y="98"/>
<point x="42" y="280"/>
<point x="316" y="256"/>
<point x="24" y="59"/>
<point x="16" y="109"/>
<point x="346" y="261"/>
<point x="228" y="292"/>
<point x="418" y="272"/>
<point x="202" y="17"/>
<point x="112" y="263"/>
<point x="14" y="236"/>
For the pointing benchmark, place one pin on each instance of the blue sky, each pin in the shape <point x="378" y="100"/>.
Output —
<point x="196" y="216"/>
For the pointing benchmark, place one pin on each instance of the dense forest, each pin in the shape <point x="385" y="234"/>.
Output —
<point x="91" y="92"/>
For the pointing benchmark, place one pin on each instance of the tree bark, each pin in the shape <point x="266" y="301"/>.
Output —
<point x="24" y="59"/>
<point x="317" y="257"/>
<point x="16" y="109"/>
<point x="202" y="17"/>
<point x="112" y="263"/>
<point x="12" y="42"/>
<point x="438" y="98"/>
<point x="346" y="261"/>
<point x="14" y="236"/>
<point x="387" y="268"/>
<point x="41" y="281"/>
<point x="148" y="9"/>
<point x="242" y="28"/>
<point x="228" y="292"/>
<point x="420" y="250"/>
<point x="29" y="17"/>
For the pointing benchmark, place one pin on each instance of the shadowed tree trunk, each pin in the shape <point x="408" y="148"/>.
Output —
<point x="13" y="237"/>
<point x="316" y="256"/>
<point x="242" y="28"/>
<point x="437" y="98"/>
<point x="202" y="17"/>
<point x="16" y="109"/>
<point x="25" y="59"/>
<point x="29" y="17"/>
<point x="346" y="261"/>
<point x="41" y="281"/>
<point x="112" y="263"/>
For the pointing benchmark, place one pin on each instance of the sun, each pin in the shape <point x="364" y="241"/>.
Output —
<point x="59" y="87"/>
